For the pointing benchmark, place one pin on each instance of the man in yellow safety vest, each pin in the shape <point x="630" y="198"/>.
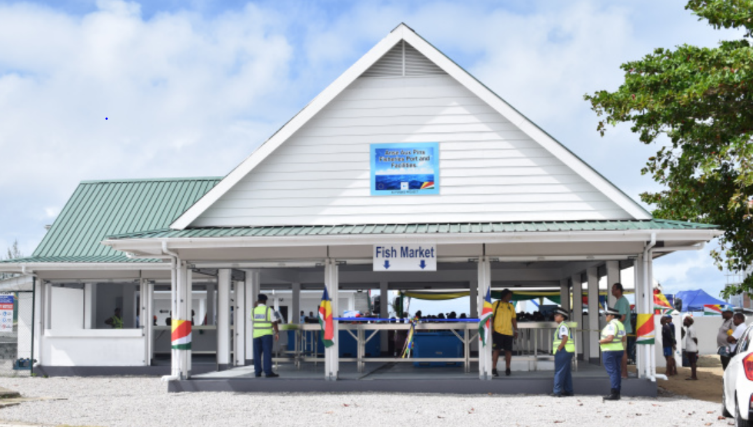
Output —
<point x="612" y="349"/>
<point x="116" y="321"/>
<point x="264" y="329"/>
<point x="563" y="348"/>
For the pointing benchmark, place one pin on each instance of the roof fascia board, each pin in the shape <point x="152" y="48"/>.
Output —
<point x="88" y="266"/>
<point x="267" y="148"/>
<point x="529" y="128"/>
<point x="147" y="246"/>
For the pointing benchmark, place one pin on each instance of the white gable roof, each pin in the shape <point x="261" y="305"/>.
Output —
<point x="380" y="59"/>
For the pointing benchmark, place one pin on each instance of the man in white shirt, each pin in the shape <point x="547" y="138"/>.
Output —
<point x="738" y="322"/>
<point x="691" y="346"/>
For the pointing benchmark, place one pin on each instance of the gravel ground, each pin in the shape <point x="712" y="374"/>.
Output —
<point x="133" y="401"/>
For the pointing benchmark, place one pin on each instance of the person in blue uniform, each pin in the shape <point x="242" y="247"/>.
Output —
<point x="563" y="348"/>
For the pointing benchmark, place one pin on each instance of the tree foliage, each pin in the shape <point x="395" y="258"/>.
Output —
<point x="696" y="104"/>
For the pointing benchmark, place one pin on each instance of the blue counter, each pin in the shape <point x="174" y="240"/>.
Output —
<point x="437" y="345"/>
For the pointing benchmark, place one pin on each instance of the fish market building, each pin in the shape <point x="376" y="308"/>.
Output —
<point x="404" y="152"/>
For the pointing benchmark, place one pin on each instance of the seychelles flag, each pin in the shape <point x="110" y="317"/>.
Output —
<point x="325" y="320"/>
<point x="485" y="320"/>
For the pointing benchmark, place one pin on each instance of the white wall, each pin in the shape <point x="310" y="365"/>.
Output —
<point x="93" y="347"/>
<point x="67" y="311"/>
<point x="24" y="325"/>
<point x="490" y="170"/>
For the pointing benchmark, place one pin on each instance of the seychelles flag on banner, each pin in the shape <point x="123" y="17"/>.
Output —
<point x="485" y="320"/>
<point x="181" y="335"/>
<point x="325" y="320"/>
<point x="645" y="329"/>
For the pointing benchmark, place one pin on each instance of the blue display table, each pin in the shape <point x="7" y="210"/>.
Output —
<point x="436" y="345"/>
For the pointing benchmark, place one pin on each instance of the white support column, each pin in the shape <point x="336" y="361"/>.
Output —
<point x="239" y="341"/>
<point x="184" y="313"/>
<point x="384" y="312"/>
<point x="174" y="298"/>
<point x="39" y="320"/>
<point x="211" y="304"/>
<point x="613" y="276"/>
<point x="296" y="304"/>
<point x="593" y="315"/>
<point x="47" y="305"/>
<point x="90" y="305"/>
<point x="223" y="318"/>
<point x="648" y="309"/>
<point x="565" y="294"/>
<point x="483" y="283"/>
<point x="147" y="301"/>
<point x="129" y="310"/>
<point x="332" y="354"/>
<point x="253" y="285"/>
<point x="638" y="270"/>
<point x="577" y="287"/>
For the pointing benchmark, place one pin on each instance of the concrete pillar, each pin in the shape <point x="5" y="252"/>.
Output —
<point x="649" y="308"/>
<point x="211" y="304"/>
<point x="174" y="270"/>
<point x="296" y="304"/>
<point x="39" y="319"/>
<point x="47" y="305"/>
<point x="184" y="313"/>
<point x="239" y="340"/>
<point x="593" y="315"/>
<point x="577" y="287"/>
<point x="613" y="276"/>
<point x="253" y="285"/>
<point x="90" y="305"/>
<point x="147" y="318"/>
<point x="129" y="311"/>
<point x="332" y="354"/>
<point x="384" y="312"/>
<point x="638" y="271"/>
<point x="223" y="318"/>
<point x="483" y="284"/>
<point x="565" y="294"/>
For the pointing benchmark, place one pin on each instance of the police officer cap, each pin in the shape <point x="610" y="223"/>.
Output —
<point x="262" y="297"/>
<point x="612" y="311"/>
<point x="561" y="312"/>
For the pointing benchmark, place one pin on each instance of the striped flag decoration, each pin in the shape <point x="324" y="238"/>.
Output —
<point x="712" y="310"/>
<point x="645" y="331"/>
<point x="181" y="334"/>
<point x="326" y="321"/>
<point x="485" y="320"/>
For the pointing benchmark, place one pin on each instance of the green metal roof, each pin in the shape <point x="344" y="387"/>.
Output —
<point x="99" y="209"/>
<point x="489" y="227"/>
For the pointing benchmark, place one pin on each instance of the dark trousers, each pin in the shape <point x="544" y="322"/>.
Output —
<point x="563" y="375"/>
<point x="613" y="363"/>
<point x="725" y="361"/>
<point x="263" y="344"/>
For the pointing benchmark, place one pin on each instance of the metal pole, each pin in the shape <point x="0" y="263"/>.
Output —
<point x="33" y="324"/>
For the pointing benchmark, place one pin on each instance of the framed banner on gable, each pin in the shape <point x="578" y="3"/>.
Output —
<point x="404" y="169"/>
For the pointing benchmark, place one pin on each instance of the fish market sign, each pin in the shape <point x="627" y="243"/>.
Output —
<point x="405" y="169"/>
<point x="409" y="257"/>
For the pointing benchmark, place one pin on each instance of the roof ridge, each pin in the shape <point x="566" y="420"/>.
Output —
<point x="106" y="181"/>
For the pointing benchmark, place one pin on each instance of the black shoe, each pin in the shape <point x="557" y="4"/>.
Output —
<point x="273" y="375"/>
<point x="495" y="373"/>
<point x="507" y="372"/>
<point x="568" y="394"/>
<point x="613" y="395"/>
<point x="555" y="395"/>
<point x="257" y="375"/>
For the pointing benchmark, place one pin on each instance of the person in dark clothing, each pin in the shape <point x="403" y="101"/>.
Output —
<point x="669" y="343"/>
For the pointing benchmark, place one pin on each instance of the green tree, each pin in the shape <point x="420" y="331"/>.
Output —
<point x="696" y="104"/>
<point x="13" y="253"/>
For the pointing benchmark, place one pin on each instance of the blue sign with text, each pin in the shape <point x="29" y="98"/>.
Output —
<point x="405" y="169"/>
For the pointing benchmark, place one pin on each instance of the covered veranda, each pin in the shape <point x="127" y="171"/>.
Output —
<point x="571" y="257"/>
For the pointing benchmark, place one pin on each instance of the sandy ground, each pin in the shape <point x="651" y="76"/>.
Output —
<point x="709" y="384"/>
<point x="132" y="401"/>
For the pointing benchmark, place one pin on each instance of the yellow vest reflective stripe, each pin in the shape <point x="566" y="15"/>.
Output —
<point x="262" y="321"/>
<point x="569" y="345"/>
<point x="619" y="332"/>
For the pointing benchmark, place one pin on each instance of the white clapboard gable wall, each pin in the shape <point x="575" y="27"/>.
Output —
<point x="491" y="168"/>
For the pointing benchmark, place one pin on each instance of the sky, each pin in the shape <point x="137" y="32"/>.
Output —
<point x="115" y="89"/>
